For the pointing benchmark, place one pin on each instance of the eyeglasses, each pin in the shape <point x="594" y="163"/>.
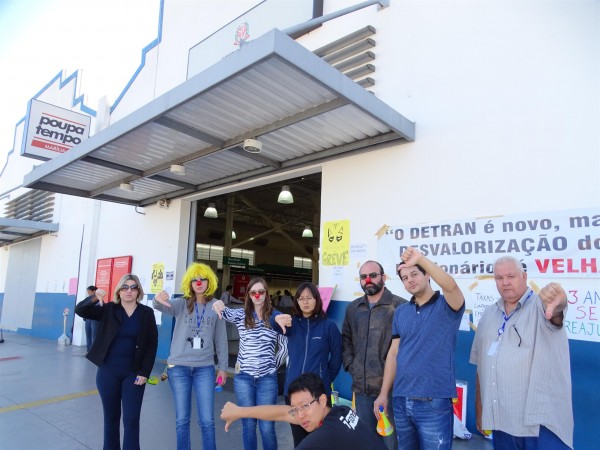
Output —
<point x="133" y="287"/>
<point x="305" y="299"/>
<point x="364" y="276"/>
<point x="260" y="292"/>
<point x="301" y="408"/>
<point x="204" y="280"/>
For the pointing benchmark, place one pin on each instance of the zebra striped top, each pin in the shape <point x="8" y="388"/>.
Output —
<point x="257" y="356"/>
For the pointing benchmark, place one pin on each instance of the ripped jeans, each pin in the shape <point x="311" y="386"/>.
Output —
<point x="423" y="423"/>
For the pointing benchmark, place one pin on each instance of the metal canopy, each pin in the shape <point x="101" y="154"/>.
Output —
<point x="17" y="230"/>
<point x="273" y="89"/>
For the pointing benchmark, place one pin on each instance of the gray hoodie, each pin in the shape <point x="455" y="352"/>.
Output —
<point x="212" y="333"/>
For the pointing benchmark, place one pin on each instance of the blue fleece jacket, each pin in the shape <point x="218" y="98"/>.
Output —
<point x="314" y="345"/>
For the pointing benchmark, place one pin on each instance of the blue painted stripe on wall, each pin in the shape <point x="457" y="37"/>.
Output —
<point x="48" y="316"/>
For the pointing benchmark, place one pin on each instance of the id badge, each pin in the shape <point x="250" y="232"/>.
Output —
<point x="237" y="367"/>
<point x="493" y="348"/>
<point x="197" y="343"/>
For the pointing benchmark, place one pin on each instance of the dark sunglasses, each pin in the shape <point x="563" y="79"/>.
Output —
<point x="204" y="280"/>
<point x="260" y="291"/>
<point x="364" y="276"/>
<point x="133" y="287"/>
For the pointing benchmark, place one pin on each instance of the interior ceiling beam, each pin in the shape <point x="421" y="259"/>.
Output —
<point x="113" y="165"/>
<point x="172" y="181"/>
<point x="275" y="229"/>
<point x="134" y="174"/>
<point x="59" y="189"/>
<point x="169" y="196"/>
<point x="301" y="116"/>
<point x="273" y="224"/>
<point x="256" y="157"/>
<point x="12" y="233"/>
<point x="367" y="144"/>
<point x="186" y="129"/>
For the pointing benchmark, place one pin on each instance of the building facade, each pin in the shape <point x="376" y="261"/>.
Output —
<point x="469" y="129"/>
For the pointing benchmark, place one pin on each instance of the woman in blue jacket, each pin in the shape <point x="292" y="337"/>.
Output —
<point x="314" y="343"/>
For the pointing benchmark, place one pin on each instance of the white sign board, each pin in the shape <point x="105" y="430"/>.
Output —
<point x="50" y="130"/>
<point x="558" y="246"/>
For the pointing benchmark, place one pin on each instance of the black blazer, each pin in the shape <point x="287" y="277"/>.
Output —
<point x="147" y="340"/>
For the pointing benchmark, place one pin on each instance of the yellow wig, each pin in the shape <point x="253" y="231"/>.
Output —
<point x="198" y="270"/>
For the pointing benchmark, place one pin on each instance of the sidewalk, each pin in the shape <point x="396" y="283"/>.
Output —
<point x="48" y="400"/>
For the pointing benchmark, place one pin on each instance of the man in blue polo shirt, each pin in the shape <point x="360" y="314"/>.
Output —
<point x="420" y="362"/>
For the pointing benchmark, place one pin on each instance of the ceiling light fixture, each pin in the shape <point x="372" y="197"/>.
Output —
<point x="233" y="235"/>
<point x="307" y="233"/>
<point x="126" y="187"/>
<point x="177" y="169"/>
<point x="211" y="211"/>
<point x="285" y="196"/>
<point x="252" y="145"/>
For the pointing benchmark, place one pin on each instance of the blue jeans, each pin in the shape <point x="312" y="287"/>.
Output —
<point x="251" y="391"/>
<point x="202" y="379"/>
<point x="546" y="440"/>
<point x="423" y="424"/>
<point x="364" y="410"/>
<point x="91" y="327"/>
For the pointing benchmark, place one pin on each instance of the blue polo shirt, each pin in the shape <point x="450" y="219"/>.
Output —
<point x="425" y="362"/>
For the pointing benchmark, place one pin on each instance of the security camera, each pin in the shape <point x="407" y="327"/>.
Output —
<point x="252" y="145"/>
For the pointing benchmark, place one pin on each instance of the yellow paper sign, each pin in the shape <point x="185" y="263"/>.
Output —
<point x="158" y="275"/>
<point x="335" y="244"/>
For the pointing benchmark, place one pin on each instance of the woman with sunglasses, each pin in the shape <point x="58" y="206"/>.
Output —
<point x="255" y="382"/>
<point x="124" y="351"/>
<point x="314" y="343"/>
<point x="198" y="332"/>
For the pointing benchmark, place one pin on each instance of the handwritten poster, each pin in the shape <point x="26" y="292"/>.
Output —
<point x="557" y="246"/>
<point x="335" y="243"/>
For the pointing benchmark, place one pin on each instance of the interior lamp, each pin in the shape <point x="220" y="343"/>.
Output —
<point x="211" y="211"/>
<point x="285" y="196"/>
<point x="307" y="233"/>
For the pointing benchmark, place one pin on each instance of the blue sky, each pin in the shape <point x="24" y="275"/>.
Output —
<point x="39" y="38"/>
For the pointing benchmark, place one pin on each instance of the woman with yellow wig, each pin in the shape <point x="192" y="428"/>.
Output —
<point x="198" y="332"/>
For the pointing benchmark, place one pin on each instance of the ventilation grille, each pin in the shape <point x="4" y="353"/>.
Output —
<point x="34" y="205"/>
<point x="353" y="55"/>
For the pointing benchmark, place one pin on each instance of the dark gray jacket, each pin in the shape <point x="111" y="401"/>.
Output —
<point x="366" y="339"/>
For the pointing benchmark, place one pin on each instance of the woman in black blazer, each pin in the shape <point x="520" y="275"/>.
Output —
<point x="124" y="351"/>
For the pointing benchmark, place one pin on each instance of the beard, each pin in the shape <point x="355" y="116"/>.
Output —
<point x="374" y="288"/>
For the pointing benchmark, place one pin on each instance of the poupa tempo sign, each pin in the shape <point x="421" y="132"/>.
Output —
<point x="51" y="130"/>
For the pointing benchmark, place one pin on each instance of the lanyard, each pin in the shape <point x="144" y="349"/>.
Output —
<point x="506" y="318"/>
<point x="199" y="320"/>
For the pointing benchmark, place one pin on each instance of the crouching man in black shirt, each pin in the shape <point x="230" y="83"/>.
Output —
<point x="330" y="428"/>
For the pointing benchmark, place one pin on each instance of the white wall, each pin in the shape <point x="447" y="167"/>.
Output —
<point x="151" y="235"/>
<point x="505" y="96"/>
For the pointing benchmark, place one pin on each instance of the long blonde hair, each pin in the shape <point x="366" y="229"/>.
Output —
<point x="198" y="270"/>
<point x="124" y="278"/>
